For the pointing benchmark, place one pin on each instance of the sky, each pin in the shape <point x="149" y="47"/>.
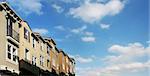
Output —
<point x="106" y="37"/>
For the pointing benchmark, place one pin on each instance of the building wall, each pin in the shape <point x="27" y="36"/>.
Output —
<point x="24" y="43"/>
<point x="41" y="53"/>
<point x="37" y="52"/>
<point x="56" y="58"/>
<point x="3" y="44"/>
<point x="62" y="63"/>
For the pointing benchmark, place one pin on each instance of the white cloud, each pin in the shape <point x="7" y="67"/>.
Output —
<point x="79" y="30"/>
<point x="42" y="31"/>
<point x="148" y="42"/>
<point x="88" y="39"/>
<point x="104" y="26"/>
<point x="115" y="70"/>
<point x="86" y="35"/>
<point x="88" y="71"/>
<point x="28" y="6"/>
<point x="67" y="1"/>
<point x="81" y="59"/>
<point x="130" y="53"/>
<point x="89" y="33"/>
<point x="126" y="69"/>
<point x="92" y="12"/>
<point x="58" y="8"/>
<point x="130" y="67"/>
<point x="60" y="28"/>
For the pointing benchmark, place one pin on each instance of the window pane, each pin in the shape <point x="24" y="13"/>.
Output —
<point x="14" y="54"/>
<point x="9" y="55"/>
<point x="9" y="52"/>
<point x="9" y="48"/>
<point x="14" y="58"/>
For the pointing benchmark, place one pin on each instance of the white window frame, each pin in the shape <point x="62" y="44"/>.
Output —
<point x="11" y="51"/>
<point x="33" y="42"/>
<point x="27" y="56"/>
<point x="14" y="54"/>
<point x="33" y="60"/>
<point x="63" y="60"/>
<point x="41" y="60"/>
<point x="48" y="49"/>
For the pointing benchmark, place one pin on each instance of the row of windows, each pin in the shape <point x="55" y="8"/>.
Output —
<point x="12" y="55"/>
<point x="34" y="43"/>
<point x="42" y="46"/>
<point x="34" y="59"/>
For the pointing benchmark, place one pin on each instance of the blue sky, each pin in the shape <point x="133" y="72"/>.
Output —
<point x="106" y="37"/>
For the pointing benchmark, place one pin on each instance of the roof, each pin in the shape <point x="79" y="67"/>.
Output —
<point x="35" y="36"/>
<point x="50" y="39"/>
<point x="56" y="49"/>
<point x="9" y="10"/>
<point x="63" y="52"/>
<point x="39" y="36"/>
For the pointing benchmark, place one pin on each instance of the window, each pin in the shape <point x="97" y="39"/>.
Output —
<point x="14" y="55"/>
<point x="63" y="65"/>
<point x="26" y="34"/>
<point x="26" y="54"/>
<point x="54" y="60"/>
<point x="48" y="63"/>
<point x="41" y="46"/>
<point x="33" y="60"/>
<point x="70" y="67"/>
<point x="41" y="60"/>
<point x="9" y="52"/>
<point x="67" y="60"/>
<point x="48" y="50"/>
<point x="9" y="26"/>
<point x="33" y="43"/>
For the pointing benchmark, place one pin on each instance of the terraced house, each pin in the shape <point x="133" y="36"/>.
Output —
<point x="27" y="53"/>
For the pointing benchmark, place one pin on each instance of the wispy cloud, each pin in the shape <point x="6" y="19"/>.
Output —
<point x="28" y="6"/>
<point x="58" y="8"/>
<point x="91" y="12"/>
<point x="88" y="39"/>
<point x="89" y="33"/>
<point x="86" y="36"/>
<point x="83" y="60"/>
<point x="104" y="26"/>
<point x="79" y="30"/>
<point x="42" y="31"/>
<point x="60" y="27"/>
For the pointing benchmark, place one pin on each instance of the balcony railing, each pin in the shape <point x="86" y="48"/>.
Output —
<point x="12" y="33"/>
